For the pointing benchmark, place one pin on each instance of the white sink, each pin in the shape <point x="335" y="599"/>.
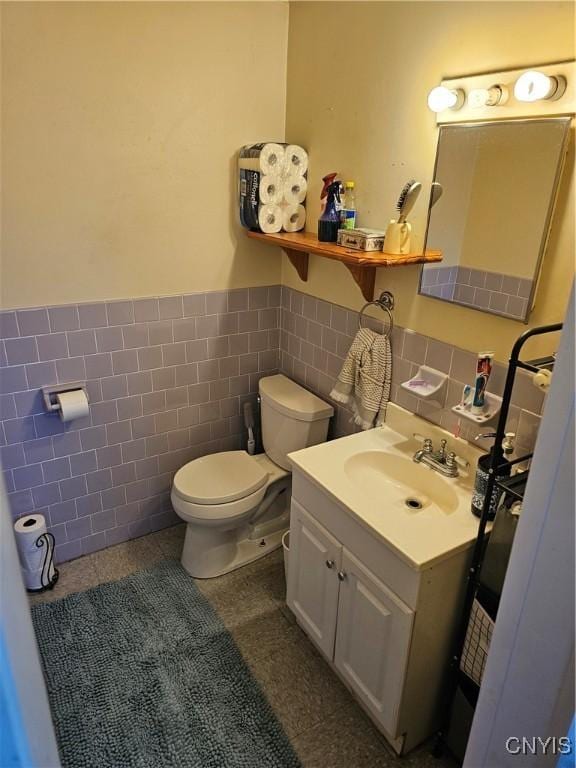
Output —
<point x="373" y="477"/>
<point x="400" y="484"/>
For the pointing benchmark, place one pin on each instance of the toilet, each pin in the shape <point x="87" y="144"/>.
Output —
<point x="237" y="506"/>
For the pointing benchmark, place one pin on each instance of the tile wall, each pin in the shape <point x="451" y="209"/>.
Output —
<point x="503" y="294"/>
<point x="315" y="336"/>
<point x="166" y="378"/>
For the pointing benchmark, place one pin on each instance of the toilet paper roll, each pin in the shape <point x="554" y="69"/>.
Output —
<point x="296" y="160"/>
<point x="293" y="218"/>
<point x="27" y="531"/>
<point x="34" y="580"/>
<point x="73" y="404"/>
<point x="270" y="218"/>
<point x="295" y="189"/>
<point x="267" y="158"/>
<point x="270" y="189"/>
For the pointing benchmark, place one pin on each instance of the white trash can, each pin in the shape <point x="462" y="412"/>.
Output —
<point x="286" y="548"/>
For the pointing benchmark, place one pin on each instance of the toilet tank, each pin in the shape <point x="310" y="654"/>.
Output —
<point x="292" y="418"/>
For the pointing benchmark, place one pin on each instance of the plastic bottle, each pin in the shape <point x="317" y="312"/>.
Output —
<point x="348" y="213"/>
<point x="329" y="221"/>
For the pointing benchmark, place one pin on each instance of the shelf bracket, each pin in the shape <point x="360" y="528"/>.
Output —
<point x="365" y="278"/>
<point x="299" y="262"/>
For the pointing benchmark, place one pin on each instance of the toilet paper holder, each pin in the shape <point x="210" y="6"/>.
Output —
<point x="50" y="394"/>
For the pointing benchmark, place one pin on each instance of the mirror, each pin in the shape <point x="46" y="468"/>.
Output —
<point x="498" y="186"/>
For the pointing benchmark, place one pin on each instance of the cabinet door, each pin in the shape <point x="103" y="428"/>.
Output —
<point x="315" y="559"/>
<point x="373" y="639"/>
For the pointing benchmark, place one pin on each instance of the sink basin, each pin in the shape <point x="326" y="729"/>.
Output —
<point x="399" y="483"/>
<point x="420" y="514"/>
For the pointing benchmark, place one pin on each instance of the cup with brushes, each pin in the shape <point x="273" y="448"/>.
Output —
<point x="398" y="232"/>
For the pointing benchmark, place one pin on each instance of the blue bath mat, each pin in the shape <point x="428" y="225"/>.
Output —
<point x="142" y="673"/>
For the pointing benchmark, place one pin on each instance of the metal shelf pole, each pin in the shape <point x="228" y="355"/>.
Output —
<point x="478" y="552"/>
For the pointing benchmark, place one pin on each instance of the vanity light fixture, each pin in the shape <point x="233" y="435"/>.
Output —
<point x="536" y="86"/>
<point x="488" y="97"/>
<point x="441" y="98"/>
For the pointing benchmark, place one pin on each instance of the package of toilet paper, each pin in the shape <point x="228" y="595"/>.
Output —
<point x="272" y="179"/>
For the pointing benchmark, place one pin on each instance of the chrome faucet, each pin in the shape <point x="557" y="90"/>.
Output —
<point x="441" y="460"/>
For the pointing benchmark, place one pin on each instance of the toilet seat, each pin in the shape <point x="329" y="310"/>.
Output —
<point x="218" y="514"/>
<point x="220" y="486"/>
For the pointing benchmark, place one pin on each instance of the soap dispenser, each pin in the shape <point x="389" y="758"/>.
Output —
<point x="484" y="464"/>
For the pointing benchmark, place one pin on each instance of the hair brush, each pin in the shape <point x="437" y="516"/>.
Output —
<point x="407" y="198"/>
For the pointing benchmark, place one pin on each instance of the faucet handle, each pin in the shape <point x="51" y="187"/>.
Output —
<point x="452" y="460"/>
<point x="426" y="442"/>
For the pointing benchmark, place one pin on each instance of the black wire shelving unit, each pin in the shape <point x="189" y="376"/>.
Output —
<point x="458" y="683"/>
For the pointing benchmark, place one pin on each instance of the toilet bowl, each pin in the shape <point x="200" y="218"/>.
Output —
<point x="237" y="506"/>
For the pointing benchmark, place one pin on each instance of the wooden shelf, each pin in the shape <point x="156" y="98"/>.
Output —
<point x="361" y="264"/>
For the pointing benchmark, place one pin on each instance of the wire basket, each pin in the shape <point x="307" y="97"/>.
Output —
<point x="477" y="643"/>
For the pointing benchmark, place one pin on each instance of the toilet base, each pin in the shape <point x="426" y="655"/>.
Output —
<point x="207" y="554"/>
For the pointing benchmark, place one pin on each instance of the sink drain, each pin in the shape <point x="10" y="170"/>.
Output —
<point x="413" y="503"/>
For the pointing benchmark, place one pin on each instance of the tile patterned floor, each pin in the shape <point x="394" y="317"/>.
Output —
<point x="326" y="726"/>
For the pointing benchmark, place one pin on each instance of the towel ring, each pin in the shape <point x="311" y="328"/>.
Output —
<point x="386" y="302"/>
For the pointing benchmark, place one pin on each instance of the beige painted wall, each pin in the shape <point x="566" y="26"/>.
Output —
<point x="120" y="122"/>
<point x="358" y="79"/>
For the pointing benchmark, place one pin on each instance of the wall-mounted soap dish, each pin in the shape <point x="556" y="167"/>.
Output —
<point x="428" y="383"/>
<point x="492" y="405"/>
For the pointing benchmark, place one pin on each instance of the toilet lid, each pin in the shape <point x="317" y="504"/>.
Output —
<point x="219" y="478"/>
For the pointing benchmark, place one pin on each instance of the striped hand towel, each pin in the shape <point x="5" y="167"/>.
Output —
<point x="364" y="381"/>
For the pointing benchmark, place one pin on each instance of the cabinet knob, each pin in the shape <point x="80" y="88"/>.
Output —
<point x="342" y="576"/>
<point x="330" y="563"/>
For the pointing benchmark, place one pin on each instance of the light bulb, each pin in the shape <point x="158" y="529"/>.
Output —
<point x="536" y="86"/>
<point x="441" y="98"/>
<point x="478" y="97"/>
<point x="487" y="97"/>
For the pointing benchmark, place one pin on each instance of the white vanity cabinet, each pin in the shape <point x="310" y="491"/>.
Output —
<point x="384" y="626"/>
<point x="372" y="641"/>
<point x="315" y="561"/>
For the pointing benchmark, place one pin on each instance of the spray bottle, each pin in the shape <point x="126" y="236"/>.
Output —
<point x="327" y="180"/>
<point x="329" y="221"/>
